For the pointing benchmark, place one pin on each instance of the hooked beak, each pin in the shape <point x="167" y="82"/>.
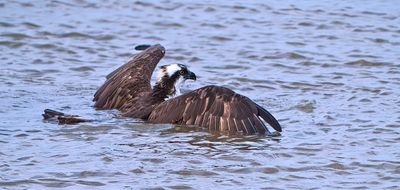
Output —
<point x="190" y="75"/>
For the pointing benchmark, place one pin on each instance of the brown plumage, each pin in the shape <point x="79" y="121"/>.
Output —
<point x="130" y="81"/>
<point x="217" y="109"/>
<point x="212" y="107"/>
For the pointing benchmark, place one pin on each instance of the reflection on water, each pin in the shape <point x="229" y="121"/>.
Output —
<point x="328" y="70"/>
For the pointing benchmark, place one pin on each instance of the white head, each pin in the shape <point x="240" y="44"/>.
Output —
<point x="173" y="77"/>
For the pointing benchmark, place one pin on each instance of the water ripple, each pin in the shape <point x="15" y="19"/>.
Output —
<point x="328" y="72"/>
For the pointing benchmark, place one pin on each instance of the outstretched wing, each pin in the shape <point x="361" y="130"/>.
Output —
<point x="216" y="108"/>
<point x="129" y="80"/>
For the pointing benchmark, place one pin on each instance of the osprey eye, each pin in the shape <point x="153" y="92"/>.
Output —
<point x="181" y="72"/>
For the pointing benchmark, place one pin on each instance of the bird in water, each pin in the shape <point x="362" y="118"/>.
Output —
<point x="215" y="108"/>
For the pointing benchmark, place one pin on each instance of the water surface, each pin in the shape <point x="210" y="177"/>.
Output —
<point x="327" y="70"/>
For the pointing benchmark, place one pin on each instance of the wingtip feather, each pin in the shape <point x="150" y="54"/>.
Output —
<point x="269" y="118"/>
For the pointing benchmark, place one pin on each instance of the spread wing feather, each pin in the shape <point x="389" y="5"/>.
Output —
<point x="129" y="80"/>
<point x="122" y="67"/>
<point x="217" y="109"/>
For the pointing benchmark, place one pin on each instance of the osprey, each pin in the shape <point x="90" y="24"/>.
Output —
<point x="215" y="108"/>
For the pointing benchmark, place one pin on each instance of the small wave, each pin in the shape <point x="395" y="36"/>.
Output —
<point x="336" y="22"/>
<point x="16" y="36"/>
<point x="213" y="25"/>
<point x="240" y="7"/>
<point x="373" y="13"/>
<point x="379" y="40"/>
<point x="305" y="24"/>
<point x="165" y="7"/>
<point x="32" y="72"/>
<point x="194" y="59"/>
<point x="257" y="86"/>
<point x="90" y="183"/>
<point x="82" y="69"/>
<point x="11" y="44"/>
<point x="337" y="166"/>
<point x="6" y="24"/>
<point x="155" y="38"/>
<point x="344" y="15"/>
<point x="364" y="56"/>
<point x="221" y="38"/>
<point x="290" y="55"/>
<point x="209" y="9"/>
<point x="171" y="7"/>
<point x="270" y="170"/>
<point x="284" y="66"/>
<point x="30" y="25"/>
<point x="228" y="67"/>
<point x="82" y="35"/>
<point x="45" y="46"/>
<point x="366" y="63"/>
<point x="67" y="26"/>
<point x="296" y="43"/>
<point x="169" y="24"/>
<point x="16" y="182"/>
<point x="365" y="100"/>
<point x="390" y="17"/>
<point x="331" y="83"/>
<point x="21" y="135"/>
<point x="363" y="30"/>
<point x="193" y="173"/>
<point x="177" y="58"/>
<point x="144" y="4"/>
<point x="251" y="80"/>
<point x="329" y="37"/>
<point x="74" y="35"/>
<point x="308" y="63"/>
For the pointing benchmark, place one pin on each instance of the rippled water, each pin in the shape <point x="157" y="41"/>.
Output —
<point x="328" y="70"/>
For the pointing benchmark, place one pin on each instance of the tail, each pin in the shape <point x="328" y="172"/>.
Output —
<point x="62" y="118"/>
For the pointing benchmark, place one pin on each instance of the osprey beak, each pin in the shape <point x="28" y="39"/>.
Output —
<point x="190" y="75"/>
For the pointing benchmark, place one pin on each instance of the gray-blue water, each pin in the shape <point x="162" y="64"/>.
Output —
<point x="329" y="71"/>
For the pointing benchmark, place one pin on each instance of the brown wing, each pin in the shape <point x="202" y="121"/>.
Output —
<point x="216" y="108"/>
<point x="129" y="80"/>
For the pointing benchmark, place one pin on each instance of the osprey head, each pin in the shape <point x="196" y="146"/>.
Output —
<point x="173" y="76"/>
